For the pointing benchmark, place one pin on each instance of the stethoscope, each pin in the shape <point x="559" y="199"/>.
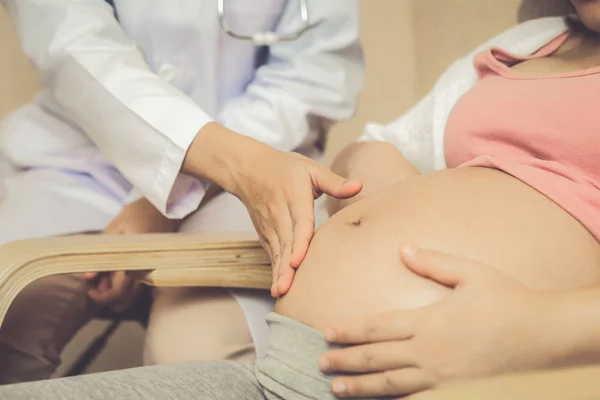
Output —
<point x="266" y="38"/>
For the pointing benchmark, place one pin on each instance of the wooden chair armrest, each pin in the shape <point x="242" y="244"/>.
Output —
<point x="221" y="259"/>
<point x="232" y="276"/>
<point x="579" y="383"/>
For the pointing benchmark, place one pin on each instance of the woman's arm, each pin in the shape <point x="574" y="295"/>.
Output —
<point x="489" y="324"/>
<point x="386" y="154"/>
<point x="375" y="164"/>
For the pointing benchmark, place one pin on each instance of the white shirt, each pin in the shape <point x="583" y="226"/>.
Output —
<point x="140" y="88"/>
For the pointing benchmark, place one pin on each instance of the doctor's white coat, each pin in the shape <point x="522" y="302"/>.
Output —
<point x="135" y="92"/>
<point x="124" y="96"/>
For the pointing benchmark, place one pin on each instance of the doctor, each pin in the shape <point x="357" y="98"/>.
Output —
<point x="165" y="101"/>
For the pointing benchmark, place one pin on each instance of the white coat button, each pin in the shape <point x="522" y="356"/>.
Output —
<point x="167" y="72"/>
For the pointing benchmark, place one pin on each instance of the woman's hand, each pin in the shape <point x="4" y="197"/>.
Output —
<point x="278" y="189"/>
<point x="115" y="289"/>
<point x="488" y="324"/>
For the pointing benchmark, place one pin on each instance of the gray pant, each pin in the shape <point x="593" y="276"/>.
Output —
<point x="288" y="371"/>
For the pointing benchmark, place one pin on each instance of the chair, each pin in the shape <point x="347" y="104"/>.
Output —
<point x="224" y="260"/>
<point x="217" y="260"/>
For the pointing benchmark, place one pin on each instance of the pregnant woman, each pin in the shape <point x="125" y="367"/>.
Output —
<point x="499" y="164"/>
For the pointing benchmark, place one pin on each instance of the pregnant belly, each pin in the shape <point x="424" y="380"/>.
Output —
<point x="353" y="267"/>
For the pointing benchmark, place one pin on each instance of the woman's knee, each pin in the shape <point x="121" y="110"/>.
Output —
<point x="188" y="324"/>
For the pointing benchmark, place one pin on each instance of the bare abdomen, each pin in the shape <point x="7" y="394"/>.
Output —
<point x="353" y="267"/>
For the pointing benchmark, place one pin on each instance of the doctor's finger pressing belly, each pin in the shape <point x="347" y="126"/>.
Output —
<point x="147" y="100"/>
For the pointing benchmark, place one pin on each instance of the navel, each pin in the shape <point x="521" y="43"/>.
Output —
<point x="355" y="221"/>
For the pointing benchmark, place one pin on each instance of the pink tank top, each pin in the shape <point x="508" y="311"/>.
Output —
<point x="542" y="129"/>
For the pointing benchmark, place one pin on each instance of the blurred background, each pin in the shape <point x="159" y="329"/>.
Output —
<point x="407" y="44"/>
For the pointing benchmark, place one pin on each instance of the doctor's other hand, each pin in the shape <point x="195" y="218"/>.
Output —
<point x="488" y="324"/>
<point x="116" y="290"/>
<point x="278" y="189"/>
<point x="140" y="216"/>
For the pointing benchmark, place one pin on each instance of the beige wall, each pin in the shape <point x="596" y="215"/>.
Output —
<point x="407" y="44"/>
<point x="390" y="85"/>
<point x="18" y="80"/>
<point x="447" y="29"/>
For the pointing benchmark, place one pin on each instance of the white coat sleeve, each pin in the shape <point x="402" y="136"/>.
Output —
<point x="306" y="83"/>
<point x="411" y="133"/>
<point x="102" y="83"/>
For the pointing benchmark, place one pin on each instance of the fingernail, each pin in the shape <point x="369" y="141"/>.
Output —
<point x="330" y="335"/>
<point x="324" y="364"/>
<point x="339" y="387"/>
<point x="409" y="250"/>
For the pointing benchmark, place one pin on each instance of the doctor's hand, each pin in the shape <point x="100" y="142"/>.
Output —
<point x="116" y="290"/>
<point x="488" y="324"/>
<point x="277" y="188"/>
<point x="279" y="193"/>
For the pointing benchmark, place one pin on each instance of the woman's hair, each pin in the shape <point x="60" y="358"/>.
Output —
<point x="532" y="9"/>
<point x="575" y="24"/>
